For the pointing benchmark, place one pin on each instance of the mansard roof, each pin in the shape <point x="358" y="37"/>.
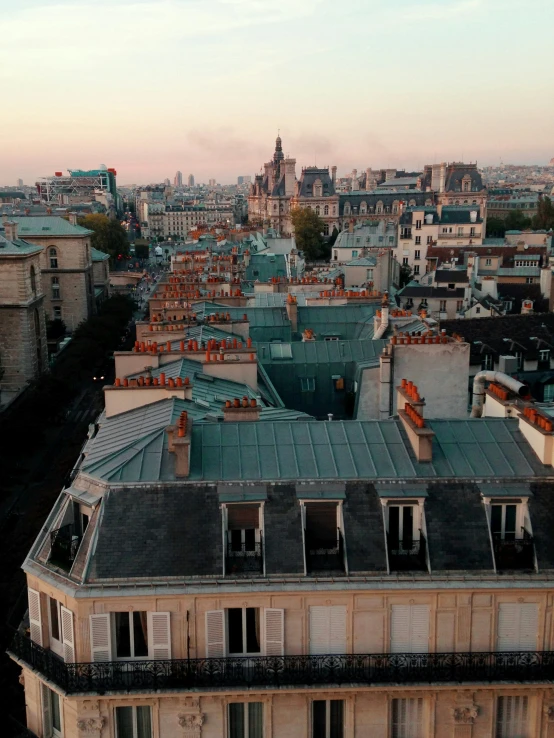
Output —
<point x="309" y="177"/>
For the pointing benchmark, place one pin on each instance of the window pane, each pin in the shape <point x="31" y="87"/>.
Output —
<point x="510" y="529"/>
<point x="496" y="518"/>
<point x="318" y="718"/>
<point x="252" y="630"/>
<point x="54" y="620"/>
<point x="407" y="525"/>
<point x="124" y="721"/>
<point x="249" y="539"/>
<point x="337" y="719"/>
<point x="144" y="722"/>
<point x="55" y="704"/>
<point x="394" y="526"/>
<point x="122" y="635"/>
<point x="255" y="720"/>
<point x="140" y="634"/>
<point x="236" y="720"/>
<point x="234" y="622"/>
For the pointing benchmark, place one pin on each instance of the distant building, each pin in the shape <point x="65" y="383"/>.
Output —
<point x="212" y="182"/>
<point x="167" y="182"/>
<point x="191" y="180"/>
<point x="20" y="183"/>
<point x="244" y="179"/>
<point x="178" y="179"/>
<point x="81" y="186"/>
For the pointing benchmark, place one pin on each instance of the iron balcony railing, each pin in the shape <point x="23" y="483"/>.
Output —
<point x="514" y="553"/>
<point x="244" y="559"/>
<point x="285" y="671"/>
<point x="325" y="556"/>
<point x="64" y="546"/>
<point x="407" y="554"/>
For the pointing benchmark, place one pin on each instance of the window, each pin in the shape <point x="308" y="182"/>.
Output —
<point x="504" y="521"/>
<point x="51" y="713"/>
<point x="548" y="394"/>
<point x="317" y="210"/>
<point x="417" y="254"/>
<point x="53" y="258"/>
<point x="522" y="263"/>
<point x="407" y="718"/>
<point x="451" y="286"/>
<point x="405" y="261"/>
<point x="409" y="629"/>
<point x="328" y="719"/>
<point x="327" y="629"/>
<point x="518" y="625"/>
<point x="243" y="630"/>
<point x="529" y="280"/>
<point x="246" y="720"/>
<point x="326" y="229"/>
<point x="472" y="231"/>
<point x="56" y="288"/>
<point x="511" y="717"/>
<point x="391" y="239"/>
<point x="243" y="553"/>
<point x="33" y="280"/>
<point x="460" y="231"/>
<point x="544" y="359"/>
<point x="442" y="305"/>
<point x="57" y="313"/>
<point x="307" y="384"/>
<point x="418" y="240"/>
<point x="416" y="269"/>
<point x="488" y="262"/>
<point x="280" y="351"/>
<point x="429" y="239"/>
<point x="326" y="210"/>
<point x="418" y="225"/>
<point x="519" y="357"/>
<point x="133" y="722"/>
<point x="354" y="253"/>
<point x="131" y="634"/>
<point x="488" y="359"/>
<point x="369" y="274"/>
<point x="403" y="526"/>
<point x="54" y="626"/>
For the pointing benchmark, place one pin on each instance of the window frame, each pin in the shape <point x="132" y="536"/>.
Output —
<point x="56" y="644"/>
<point x="113" y="626"/>
<point x="329" y="733"/>
<point x="244" y="624"/>
<point x="134" y="708"/>
<point x="49" y="729"/>
<point x="246" y="717"/>
<point x="53" y="257"/>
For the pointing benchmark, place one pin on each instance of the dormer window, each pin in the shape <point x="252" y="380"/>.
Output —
<point x="511" y="533"/>
<point x="323" y="537"/>
<point x="544" y="359"/>
<point x="243" y="534"/>
<point x="405" y="538"/>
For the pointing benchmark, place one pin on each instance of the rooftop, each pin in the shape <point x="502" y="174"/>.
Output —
<point x="48" y="226"/>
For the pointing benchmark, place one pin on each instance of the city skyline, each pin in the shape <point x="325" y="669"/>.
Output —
<point x="436" y="85"/>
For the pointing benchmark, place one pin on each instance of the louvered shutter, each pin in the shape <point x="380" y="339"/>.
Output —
<point x="528" y="627"/>
<point x="337" y="629"/>
<point x="419" y="629"/>
<point x="159" y="635"/>
<point x="243" y="517"/>
<point x="68" y="635"/>
<point x="46" y="711"/>
<point x="35" y="617"/>
<point x="100" y="638"/>
<point x="517" y="626"/>
<point x="216" y="646"/>
<point x="400" y="629"/>
<point x="274" y="631"/>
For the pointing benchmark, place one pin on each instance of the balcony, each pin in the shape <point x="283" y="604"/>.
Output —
<point x="244" y="559"/>
<point x="407" y="555"/>
<point x="325" y="556"/>
<point x="64" y="546"/>
<point x="273" y="672"/>
<point x="512" y="554"/>
<point x="462" y="236"/>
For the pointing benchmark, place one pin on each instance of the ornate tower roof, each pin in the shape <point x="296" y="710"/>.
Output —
<point x="278" y="156"/>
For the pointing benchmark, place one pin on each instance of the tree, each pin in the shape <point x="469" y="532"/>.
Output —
<point x="405" y="275"/>
<point x="55" y="329"/>
<point x="496" y="228"/>
<point x="308" y="232"/>
<point x="333" y="237"/>
<point x="108" y="236"/>
<point x="516" y="221"/>
<point x="544" y="219"/>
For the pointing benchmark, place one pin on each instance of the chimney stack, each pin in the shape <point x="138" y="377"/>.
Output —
<point x="10" y="230"/>
<point x="238" y="411"/>
<point x="292" y="312"/>
<point x="179" y="439"/>
<point x="73" y="218"/>
<point x="420" y="437"/>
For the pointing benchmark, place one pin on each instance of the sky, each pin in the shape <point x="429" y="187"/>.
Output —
<point x="150" y="87"/>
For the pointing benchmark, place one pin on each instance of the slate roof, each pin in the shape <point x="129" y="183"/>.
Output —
<point x="422" y="291"/>
<point x="459" y="214"/>
<point x="386" y="197"/>
<point x="458" y="276"/>
<point x="264" y="267"/>
<point x="48" y="226"/>
<point x="456" y="172"/>
<point x="308" y="177"/>
<point x="363" y="261"/>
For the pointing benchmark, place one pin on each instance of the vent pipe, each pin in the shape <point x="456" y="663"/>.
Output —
<point x="500" y="378"/>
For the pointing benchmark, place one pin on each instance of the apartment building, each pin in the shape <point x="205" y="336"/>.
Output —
<point x="65" y="264"/>
<point x="388" y="576"/>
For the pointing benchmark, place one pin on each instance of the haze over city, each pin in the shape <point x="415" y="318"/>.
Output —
<point x="152" y="86"/>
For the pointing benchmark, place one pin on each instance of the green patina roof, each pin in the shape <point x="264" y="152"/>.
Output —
<point x="49" y="225"/>
<point x="98" y="255"/>
<point x="17" y="247"/>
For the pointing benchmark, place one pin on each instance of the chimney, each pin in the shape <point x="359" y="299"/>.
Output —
<point x="10" y="230"/>
<point x="308" y="335"/>
<point x="407" y="392"/>
<point x="333" y="175"/>
<point x="73" y="218"/>
<point x="179" y="438"/>
<point x="237" y="411"/>
<point x="292" y="312"/>
<point x="539" y="432"/>
<point x="420" y="437"/>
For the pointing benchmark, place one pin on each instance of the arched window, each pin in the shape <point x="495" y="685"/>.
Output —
<point x="317" y="210"/>
<point x="395" y="206"/>
<point x="379" y="207"/>
<point x="326" y="210"/>
<point x="53" y="253"/>
<point x="33" y="280"/>
<point x="412" y="203"/>
<point x="363" y="208"/>
<point x="347" y="208"/>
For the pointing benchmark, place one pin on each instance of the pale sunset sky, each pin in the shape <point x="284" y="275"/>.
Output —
<point x="153" y="86"/>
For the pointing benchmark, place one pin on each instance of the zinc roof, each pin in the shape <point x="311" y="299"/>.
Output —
<point x="98" y="255"/>
<point x="17" y="247"/>
<point x="48" y="226"/>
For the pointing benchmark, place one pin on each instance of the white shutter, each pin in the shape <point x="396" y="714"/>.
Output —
<point x="409" y="629"/>
<point x="517" y="626"/>
<point x="337" y="629"/>
<point x="400" y="629"/>
<point x="511" y="717"/>
<point x="100" y="638"/>
<point x="419" y="629"/>
<point x="68" y="635"/>
<point x="274" y="631"/>
<point x="407" y="718"/>
<point x="216" y="646"/>
<point x="159" y="635"/>
<point x="35" y="619"/>
<point x="327" y="629"/>
<point x="46" y="711"/>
